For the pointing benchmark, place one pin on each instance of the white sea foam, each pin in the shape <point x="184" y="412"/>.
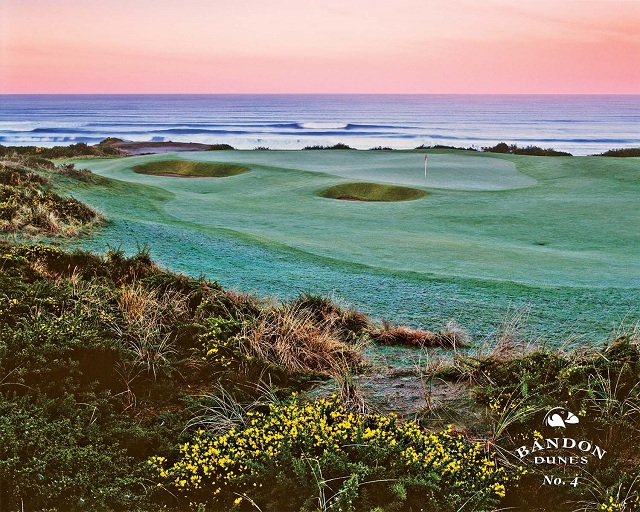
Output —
<point x="323" y="126"/>
<point x="578" y="124"/>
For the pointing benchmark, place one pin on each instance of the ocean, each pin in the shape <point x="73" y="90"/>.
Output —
<point x="581" y="125"/>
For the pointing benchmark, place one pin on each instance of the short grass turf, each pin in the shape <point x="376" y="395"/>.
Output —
<point x="553" y="237"/>
<point x="372" y="192"/>
<point x="189" y="169"/>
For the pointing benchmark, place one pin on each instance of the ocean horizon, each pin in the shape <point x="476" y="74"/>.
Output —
<point x="578" y="124"/>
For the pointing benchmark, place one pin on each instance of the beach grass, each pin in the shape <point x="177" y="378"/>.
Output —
<point x="372" y="192"/>
<point x="189" y="169"/>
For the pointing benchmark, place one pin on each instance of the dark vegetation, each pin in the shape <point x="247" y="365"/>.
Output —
<point x="105" y="148"/>
<point x="220" y="147"/>
<point x="117" y="376"/>
<point x="372" y="192"/>
<point x="519" y="385"/>
<point x="626" y="152"/>
<point x="189" y="169"/>
<point x="440" y="146"/>
<point x="339" y="145"/>
<point x="104" y="360"/>
<point x="513" y="149"/>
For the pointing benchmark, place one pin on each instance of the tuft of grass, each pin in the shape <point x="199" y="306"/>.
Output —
<point x="291" y="337"/>
<point x="351" y="324"/>
<point x="451" y="337"/>
<point x="189" y="169"/>
<point x="148" y="316"/>
<point x="372" y="192"/>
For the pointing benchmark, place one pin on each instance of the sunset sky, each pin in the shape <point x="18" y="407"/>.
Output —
<point x="320" y="46"/>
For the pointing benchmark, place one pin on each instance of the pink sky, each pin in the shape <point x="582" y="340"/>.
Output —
<point x="318" y="46"/>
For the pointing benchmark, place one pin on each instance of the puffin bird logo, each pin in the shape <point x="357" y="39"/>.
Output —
<point x="560" y="417"/>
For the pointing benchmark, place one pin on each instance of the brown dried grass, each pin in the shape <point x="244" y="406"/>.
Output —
<point x="291" y="337"/>
<point x="451" y="337"/>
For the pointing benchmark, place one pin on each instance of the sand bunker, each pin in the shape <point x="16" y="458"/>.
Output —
<point x="189" y="169"/>
<point x="372" y="192"/>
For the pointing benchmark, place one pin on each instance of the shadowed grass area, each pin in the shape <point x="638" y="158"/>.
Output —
<point x="372" y="192"/>
<point x="189" y="169"/>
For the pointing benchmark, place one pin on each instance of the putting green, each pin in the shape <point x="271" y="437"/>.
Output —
<point x="188" y="169"/>
<point x="556" y="234"/>
<point x="372" y="192"/>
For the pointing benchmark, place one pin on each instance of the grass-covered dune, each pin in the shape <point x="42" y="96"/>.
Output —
<point x="31" y="202"/>
<point x="372" y="192"/>
<point x="127" y="387"/>
<point x="189" y="169"/>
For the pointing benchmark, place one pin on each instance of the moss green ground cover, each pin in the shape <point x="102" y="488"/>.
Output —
<point x="189" y="169"/>
<point x="554" y="236"/>
<point x="372" y="192"/>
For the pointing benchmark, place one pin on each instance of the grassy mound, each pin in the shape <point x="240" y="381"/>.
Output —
<point x="150" y="390"/>
<point x="29" y="204"/>
<point x="372" y="192"/>
<point x="189" y="169"/>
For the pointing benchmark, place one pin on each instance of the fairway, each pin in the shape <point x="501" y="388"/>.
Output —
<point x="485" y="234"/>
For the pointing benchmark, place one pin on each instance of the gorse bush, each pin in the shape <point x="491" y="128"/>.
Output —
<point x="58" y="454"/>
<point x="319" y="456"/>
<point x="109" y="361"/>
<point x="111" y="353"/>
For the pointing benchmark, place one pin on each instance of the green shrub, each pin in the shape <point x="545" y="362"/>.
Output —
<point x="513" y="149"/>
<point x="298" y="456"/>
<point x="626" y="152"/>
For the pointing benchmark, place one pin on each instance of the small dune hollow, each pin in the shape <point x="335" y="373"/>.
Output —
<point x="374" y="192"/>
<point x="189" y="169"/>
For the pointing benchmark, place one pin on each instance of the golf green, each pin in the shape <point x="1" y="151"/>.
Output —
<point x="555" y="237"/>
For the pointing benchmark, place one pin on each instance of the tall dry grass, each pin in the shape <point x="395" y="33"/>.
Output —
<point x="292" y="337"/>
<point x="148" y="318"/>
<point x="452" y="336"/>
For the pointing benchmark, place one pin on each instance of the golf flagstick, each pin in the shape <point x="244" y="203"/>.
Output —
<point x="425" y="166"/>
